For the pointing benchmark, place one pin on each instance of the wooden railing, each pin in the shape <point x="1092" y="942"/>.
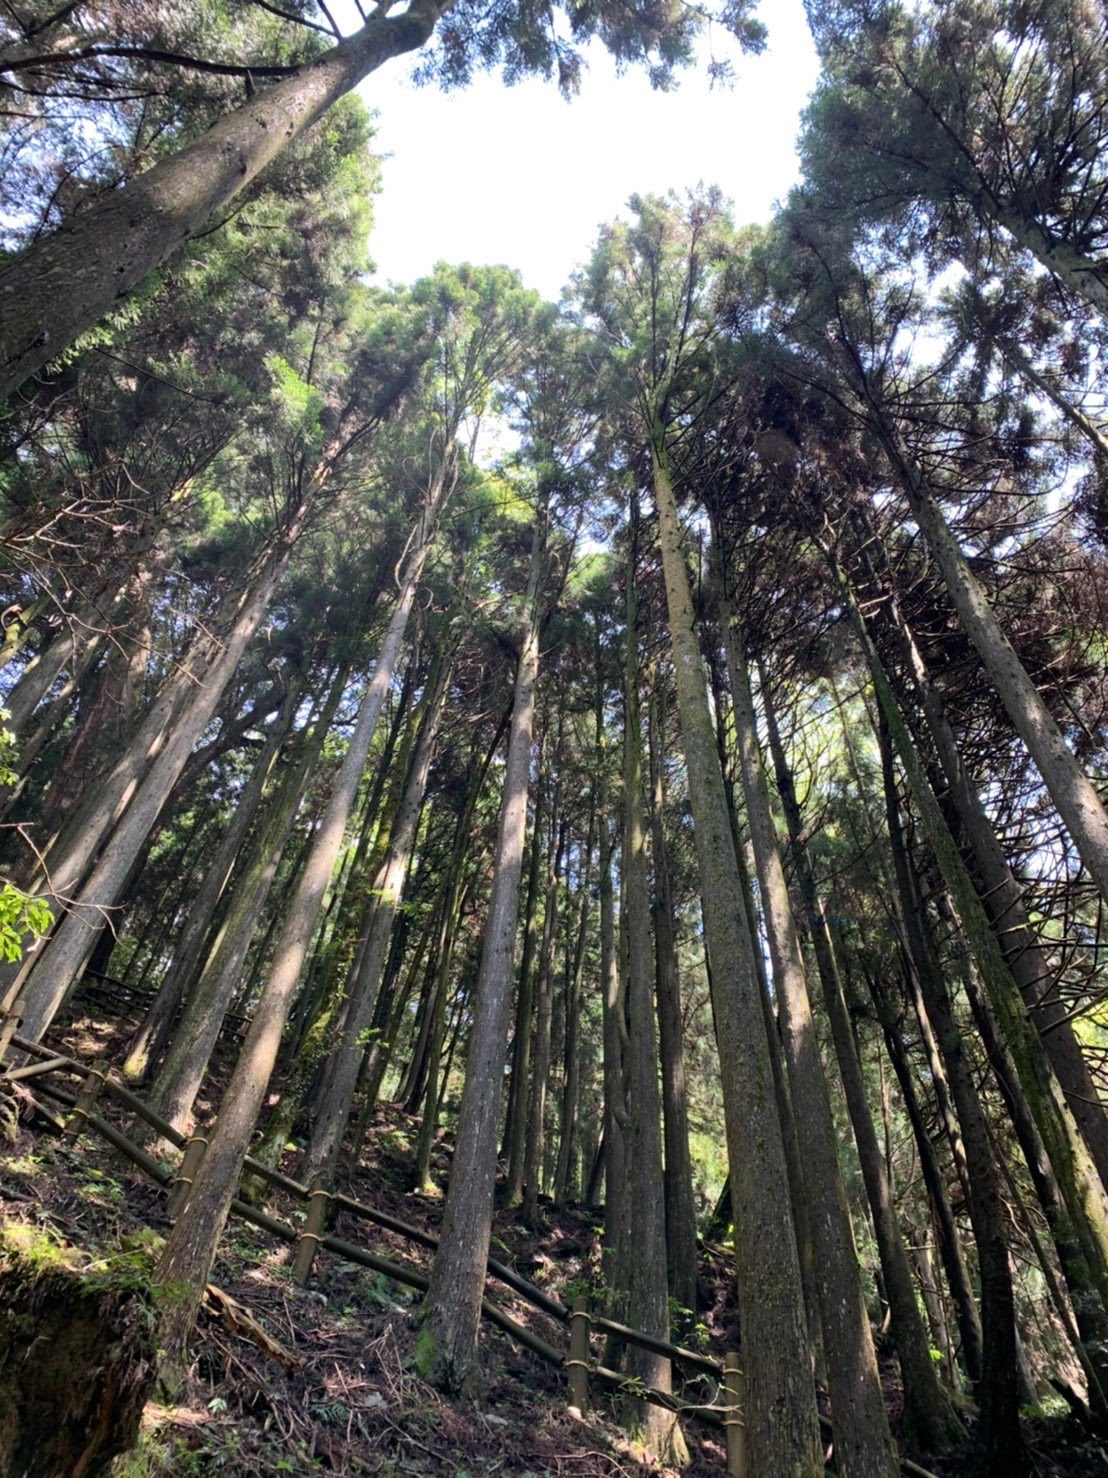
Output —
<point x="582" y="1370"/>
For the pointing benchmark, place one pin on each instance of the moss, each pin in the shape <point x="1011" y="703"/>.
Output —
<point x="426" y="1351"/>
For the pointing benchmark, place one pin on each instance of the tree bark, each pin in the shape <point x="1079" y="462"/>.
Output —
<point x="928" y="1415"/>
<point x="1076" y="798"/>
<point x="782" y="1430"/>
<point x="515" y="1125"/>
<point x="331" y="1105"/>
<point x="132" y="797"/>
<point x="1080" y="1185"/>
<point x="149" y="1041"/>
<point x="191" y="1246"/>
<point x="565" y="1171"/>
<point x="644" y="1262"/>
<point x="447" y="1348"/>
<point x="65" y="283"/>
<point x="681" y="1249"/>
<point x="1001" y="894"/>
<point x="533" y="1182"/>
<point x="999" y="1391"/>
<point x="182" y="1070"/>
<point x="863" y="1444"/>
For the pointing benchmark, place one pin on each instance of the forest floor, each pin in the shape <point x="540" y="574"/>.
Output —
<point x="336" y="1392"/>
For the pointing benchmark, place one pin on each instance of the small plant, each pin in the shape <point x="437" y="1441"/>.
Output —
<point x="330" y="1413"/>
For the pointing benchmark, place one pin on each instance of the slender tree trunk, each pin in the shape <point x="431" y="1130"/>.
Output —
<point x="782" y="1429"/>
<point x="544" y="1006"/>
<point x="863" y="1444"/>
<point x="515" y="1125"/>
<point x="950" y="1243"/>
<point x="1082" y="274"/>
<point x="680" y="1206"/>
<point x="644" y="1262"/>
<point x="999" y="1391"/>
<point x="191" y="1246"/>
<point x="435" y="1022"/>
<point x="1080" y="1185"/>
<point x="138" y="789"/>
<point x="1001" y="894"/>
<point x="447" y="1349"/>
<point x="614" y="1037"/>
<point x="46" y="667"/>
<point x="68" y="281"/>
<point x="1069" y="787"/>
<point x="928" y="1416"/>
<point x="189" y="1051"/>
<point x="150" y="1039"/>
<point x="1090" y="1317"/>
<point x="564" y="1175"/>
<point x="331" y="1105"/>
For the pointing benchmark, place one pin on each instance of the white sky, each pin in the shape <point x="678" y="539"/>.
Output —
<point x="515" y="175"/>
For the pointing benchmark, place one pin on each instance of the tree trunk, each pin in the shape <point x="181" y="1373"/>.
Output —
<point x="191" y="1246"/>
<point x="644" y="1262"/>
<point x="544" y="1006"/>
<point x="564" y="1175"/>
<point x="1001" y="893"/>
<point x="182" y="1071"/>
<point x="515" y="1125"/>
<point x="1080" y="1185"/>
<point x="68" y="281"/>
<point x="614" y="1038"/>
<point x="863" y="1444"/>
<point x="150" y="1039"/>
<point x="928" y="1415"/>
<point x="331" y="1105"/>
<point x="1069" y="787"/>
<point x="950" y="1243"/>
<point x="447" y="1348"/>
<point x="680" y="1207"/>
<point x="132" y="797"/>
<point x="782" y="1430"/>
<point x="999" y="1391"/>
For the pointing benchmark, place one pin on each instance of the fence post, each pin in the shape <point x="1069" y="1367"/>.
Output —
<point x="181" y="1181"/>
<point x="734" y="1419"/>
<point x="86" y="1097"/>
<point x="308" y="1244"/>
<point x="578" y="1362"/>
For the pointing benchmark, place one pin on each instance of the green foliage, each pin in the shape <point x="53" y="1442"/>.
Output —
<point x="22" y="917"/>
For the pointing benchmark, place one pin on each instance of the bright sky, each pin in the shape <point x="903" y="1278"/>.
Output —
<point x="515" y="175"/>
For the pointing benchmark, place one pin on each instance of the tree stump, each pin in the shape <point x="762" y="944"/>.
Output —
<point x="77" y="1357"/>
